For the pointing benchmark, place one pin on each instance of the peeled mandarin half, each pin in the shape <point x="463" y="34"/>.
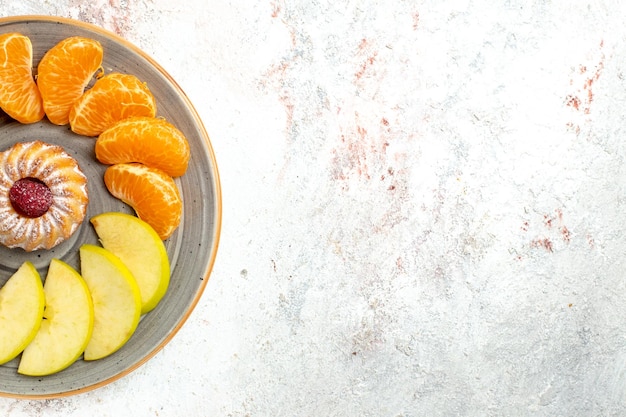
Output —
<point x="150" y="192"/>
<point x="63" y="74"/>
<point x="19" y="95"/>
<point x="151" y="141"/>
<point x="112" y="98"/>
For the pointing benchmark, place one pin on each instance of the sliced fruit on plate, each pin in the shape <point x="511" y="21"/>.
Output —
<point x="150" y="192"/>
<point x="64" y="72"/>
<point x="112" y="98"/>
<point x="67" y="323"/>
<point x="152" y="141"/>
<point x="21" y="310"/>
<point x="19" y="95"/>
<point x="141" y="249"/>
<point x="116" y="300"/>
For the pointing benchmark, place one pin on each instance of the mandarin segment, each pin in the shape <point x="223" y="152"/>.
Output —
<point x="151" y="141"/>
<point x="150" y="192"/>
<point x="64" y="72"/>
<point x="112" y="98"/>
<point x="19" y="95"/>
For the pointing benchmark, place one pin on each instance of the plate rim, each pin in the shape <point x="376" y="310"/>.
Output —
<point x="216" y="185"/>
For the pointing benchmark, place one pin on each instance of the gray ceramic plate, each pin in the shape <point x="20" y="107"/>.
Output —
<point x="191" y="258"/>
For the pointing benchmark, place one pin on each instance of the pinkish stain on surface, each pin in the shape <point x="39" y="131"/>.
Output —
<point x="276" y="75"/>
<point x="552" y="231"/>
<point x="363" y="138"/>
<point x="566" y="234"/>
<point x="358" y="154"/>
<point x="582" y="81"/>
<point x="106" y="14"/>
<point x="367" y="56"/>
<point x="525" y="226"/>
<point x="542" y="243"/>
<point x="276" y="7"/>
<point x="416" y="20"/>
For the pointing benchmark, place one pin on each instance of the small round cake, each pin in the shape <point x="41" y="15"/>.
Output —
<point x="43" y="196"/>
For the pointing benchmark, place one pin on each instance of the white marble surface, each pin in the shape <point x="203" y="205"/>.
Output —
<point x="423" y="208"/>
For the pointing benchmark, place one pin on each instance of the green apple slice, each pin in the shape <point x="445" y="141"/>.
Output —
<point x="21" y="310"/>
<point x="141" y="249"/>
<point x="116" y="300"/>
<point x="67" y="325"/>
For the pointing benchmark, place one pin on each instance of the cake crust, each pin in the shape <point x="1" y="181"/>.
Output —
<point x="61" y="173"/>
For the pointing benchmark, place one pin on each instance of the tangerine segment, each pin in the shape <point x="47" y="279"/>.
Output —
<point x="112" y="98"/>
<point x="19" y="95"/>
<point x="152" y="141"/>
<point x="150" y="192"/>
<point x="63" y="74"/>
